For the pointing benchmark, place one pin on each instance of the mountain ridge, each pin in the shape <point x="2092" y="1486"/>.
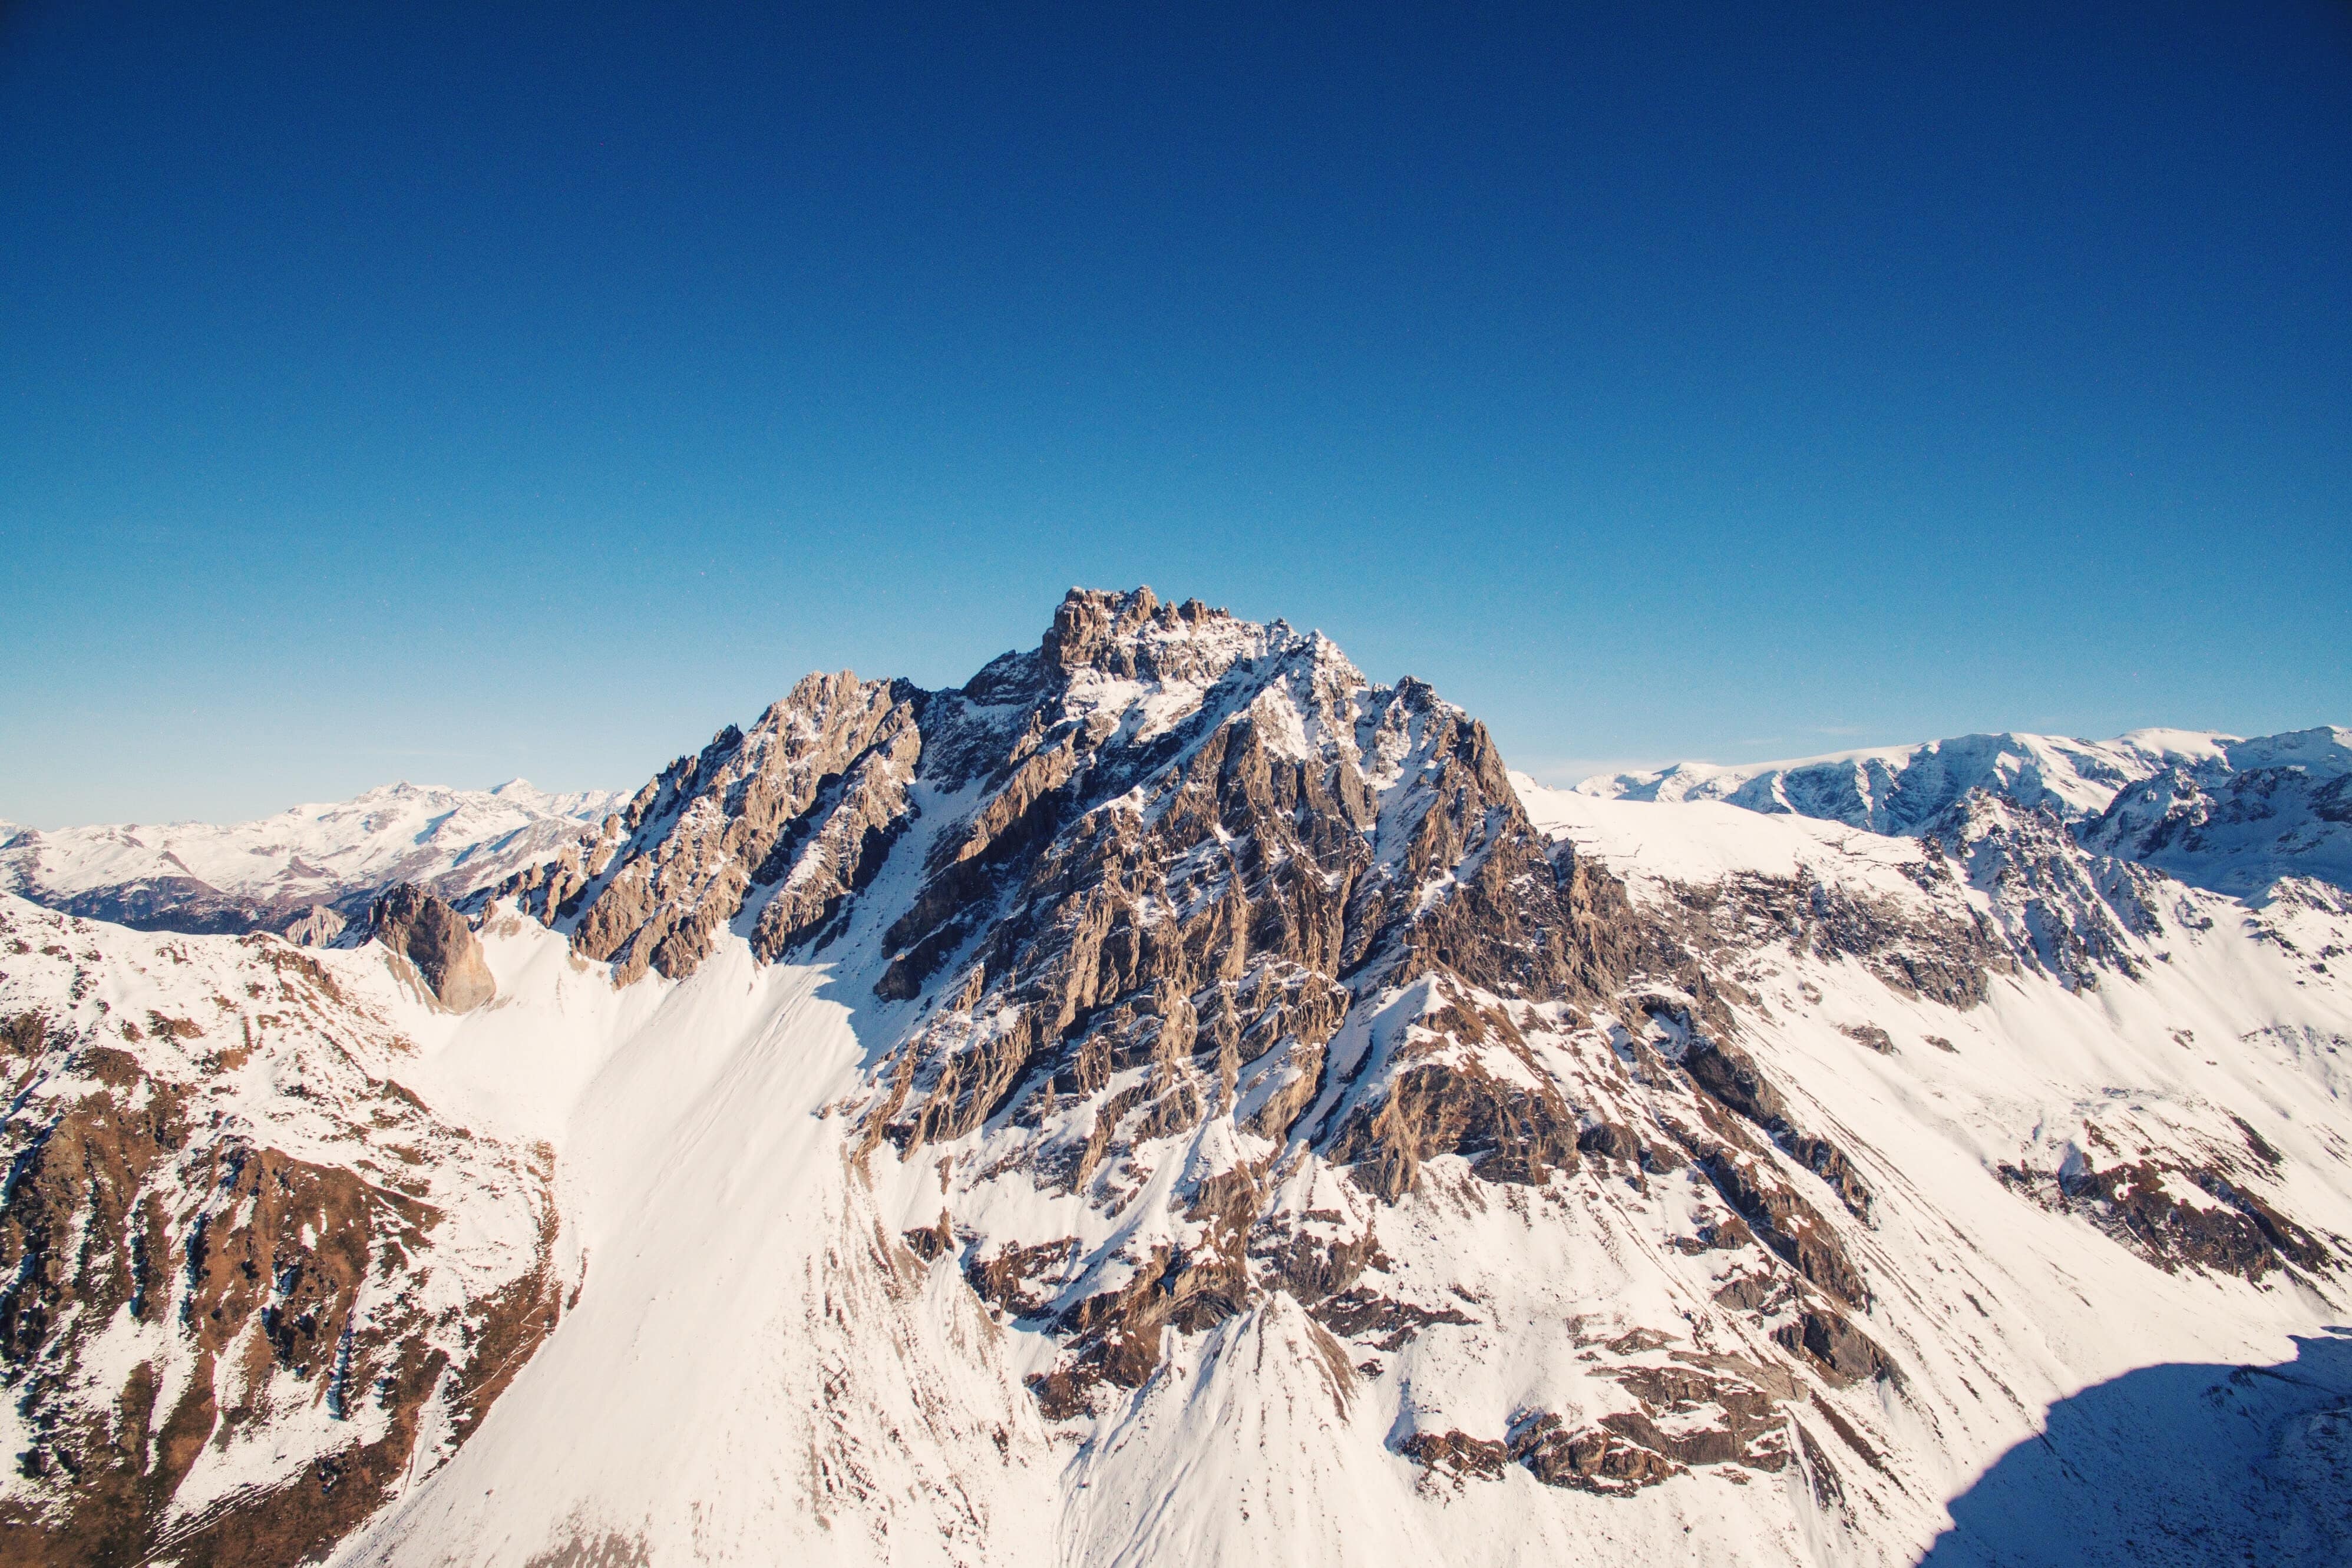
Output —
<point x="2228" y="812"/>
<point x="1171" y="1098"/>
<point x="307" y="870"/>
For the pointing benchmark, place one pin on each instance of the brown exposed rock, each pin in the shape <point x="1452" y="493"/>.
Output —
<point x="1786" y="1224"/>
<point x="1510" y="1133"/>
<point x="315" y="927"/>
<point x="1839" y="1351"/>
<point x="1360" y="1313"/>
<point x="1871" y="1035"/>
<point x="933" y="1241"/>
<point x="1726" y="1411"/>
<point x="2241" y="1233"/>
<point x="431" y="944"/>
<point x="1732" y="1077"/>
<point x="1114" y="1336"/>
<point x="1600" y="1459"/>
<point x="1003" y="1277"/>
<point x="1308" y="1269"/>
<point x="23" y="1034"/>
<point x="1944" y="953"/>
<point x="1746" y="1292"/>
<point x="1610" y="1141"/>
<point x="798" y="812"/>
<point x="1457" y="1453"/>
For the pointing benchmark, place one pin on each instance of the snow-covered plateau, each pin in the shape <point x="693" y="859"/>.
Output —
<point x="1173" y="1101"/>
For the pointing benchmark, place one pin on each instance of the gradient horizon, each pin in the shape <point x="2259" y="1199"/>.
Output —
<point x="458" y="393"/>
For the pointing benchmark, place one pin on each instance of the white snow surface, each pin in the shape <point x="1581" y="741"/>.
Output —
<point x="2215" y="810"/>
<point x="1893" y="788"/>
<point x="455" y="840"/>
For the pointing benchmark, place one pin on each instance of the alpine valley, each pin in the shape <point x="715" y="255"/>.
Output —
<point x="1172" y="1100"/>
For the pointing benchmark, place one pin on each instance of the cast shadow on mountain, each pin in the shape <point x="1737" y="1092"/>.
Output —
<point x="2179" y="1464"/>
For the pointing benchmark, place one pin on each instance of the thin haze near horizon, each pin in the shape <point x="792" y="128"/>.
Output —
<point x="453" y="393"/>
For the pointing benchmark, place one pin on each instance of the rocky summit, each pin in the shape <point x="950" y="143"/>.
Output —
<point x="1174" y="1100"/>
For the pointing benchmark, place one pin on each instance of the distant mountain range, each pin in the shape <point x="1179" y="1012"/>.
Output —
<point x="2213" y="811"/>
<point x="307" y="870"/>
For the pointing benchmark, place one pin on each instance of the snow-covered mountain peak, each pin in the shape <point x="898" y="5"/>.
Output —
<point x="1173" y="1100"/>
<point x="2324" y="748"/>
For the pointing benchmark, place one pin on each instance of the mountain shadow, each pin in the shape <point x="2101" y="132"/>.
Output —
<point x="2179" y="1464"/>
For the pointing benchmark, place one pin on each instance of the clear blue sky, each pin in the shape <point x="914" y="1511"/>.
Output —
<point x="457" y="393"/>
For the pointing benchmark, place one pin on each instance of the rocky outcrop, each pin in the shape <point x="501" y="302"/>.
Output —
<point x="317" y="926"/>
<point x="1689" y="1410"/>
<point x="231" y="1314"/>
<point x="775" y="827"/>
<point x="2063" y="913"/>
<point x="2180" y="1215"/>
<point x="430" y="945"/>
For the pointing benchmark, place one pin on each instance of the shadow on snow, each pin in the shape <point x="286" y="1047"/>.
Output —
<point x="2179" y="1464"/>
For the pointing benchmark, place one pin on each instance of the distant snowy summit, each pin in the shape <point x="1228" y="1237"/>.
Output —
<point x="307" y="870"/>
<point x="2217" y="811"/>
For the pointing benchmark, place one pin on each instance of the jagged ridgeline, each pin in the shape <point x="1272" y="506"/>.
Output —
<point x="1165" y="841"/>
<point x="1144" y="876"/>
<point x="1171" y="1099"/>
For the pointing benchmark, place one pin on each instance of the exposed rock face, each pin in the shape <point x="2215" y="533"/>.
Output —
<point x="436" y="945"/>
<point x="317" y="926"/>
<point x="2070" y="915"/>
<point x="1172" y="875"/>
<point x="774" y="827"/>
<point x="232" y="1320"/>
<point x="2180" y="1199"/>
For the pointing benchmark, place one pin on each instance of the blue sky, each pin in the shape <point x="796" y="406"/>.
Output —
<point x="456" y="393"/>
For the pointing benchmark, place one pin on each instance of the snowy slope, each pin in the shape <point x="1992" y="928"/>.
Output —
<point x="267" y="874"/>
<point x="2234" y="815"/>
<point x="1900" y="788"/>
<point x="1173" y="1100"/>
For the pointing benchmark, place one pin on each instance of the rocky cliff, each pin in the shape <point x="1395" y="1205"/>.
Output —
<point x="430" y="945"/>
